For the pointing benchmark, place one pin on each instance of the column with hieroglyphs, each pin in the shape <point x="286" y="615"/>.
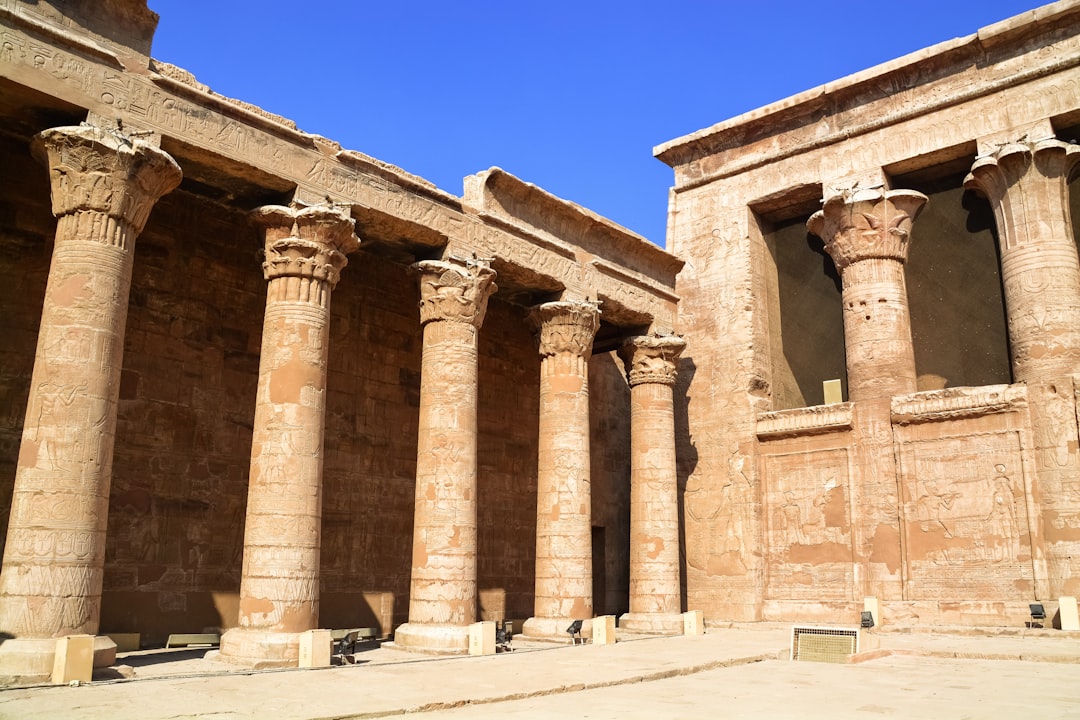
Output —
<point x="564" y="499"/>
<point x="442" y="593"/>
<point x="652" y="366"/>
<point x="866" y="232"/>
<point x="1027" y="186"/>
<point x="1025" y="176"/>
<point x="305" y="251"/>
<point x="104" y="185"/>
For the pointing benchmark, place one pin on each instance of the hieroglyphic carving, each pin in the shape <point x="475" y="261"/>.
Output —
<point x="965" y="525"/>
<point x="808" y="525"/>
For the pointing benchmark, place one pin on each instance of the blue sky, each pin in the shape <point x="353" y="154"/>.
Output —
<point x="571" y="96"/>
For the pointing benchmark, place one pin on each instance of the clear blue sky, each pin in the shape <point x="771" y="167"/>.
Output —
<point x="570" y="95"/>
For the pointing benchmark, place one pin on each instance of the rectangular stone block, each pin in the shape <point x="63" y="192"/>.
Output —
<point x="833" y="392"/>
<point x="873" y="606"/>
<point x="1067" y="612"/>
<point x="74" y="659"/>
<point x="603" y="630"/>
<point x="482" y="638"/>
<point x="315" y="647"/>
<point x="125" y="642"/>
<point x="693" y="622"/>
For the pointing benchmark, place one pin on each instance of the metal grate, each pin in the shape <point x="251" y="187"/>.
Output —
<point x="823" y="644"/>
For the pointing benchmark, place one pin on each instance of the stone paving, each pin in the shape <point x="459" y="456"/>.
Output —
<point x="733" y="672"/>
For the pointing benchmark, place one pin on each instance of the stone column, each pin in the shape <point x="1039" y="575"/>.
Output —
<point x="103" y="188"/>
<point x="1027" y="185"/>
<point x="655" y="587"/>
<point x="564" y="498"/>
<point x="442" y="595"/>
<point x="866" y="234"/>
<point x="279" y="590"/>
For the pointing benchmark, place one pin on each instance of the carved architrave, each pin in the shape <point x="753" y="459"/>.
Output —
<point x="457" y="293"/>
<point x="566" y="327"/>
<point x="864" y="224"/>
<point x="98" y="171"/>
<point x="652" y="358"/>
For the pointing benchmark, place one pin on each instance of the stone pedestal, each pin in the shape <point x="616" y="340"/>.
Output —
<point x="1027" y="186"/>
<point x="279" y="589"/>
<point x="103" y="188"/>
<point x="564" y="501"/>
<point x="866" y="233"/>
<point x="442" y="594"/>
<point x="655" y="589"/>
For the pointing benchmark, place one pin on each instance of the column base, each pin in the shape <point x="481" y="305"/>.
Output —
<point x="554" y="629"/>
<point x="652" y="623"/>
<point x="433" y="638"/>
<point x="24" y="661"/>
<point x="260" y="649"/>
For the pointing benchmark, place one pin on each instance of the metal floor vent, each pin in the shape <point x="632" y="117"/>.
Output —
<point x="823" y="644"/>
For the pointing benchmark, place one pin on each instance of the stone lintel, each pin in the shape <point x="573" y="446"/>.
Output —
<point x="940" y="76"/>
<point x="957" y="403"/>
<point x="498" y="193"/>
<point x="799" y="422"/>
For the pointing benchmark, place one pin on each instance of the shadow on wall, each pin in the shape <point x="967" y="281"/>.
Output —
<point x="686" y="458"/>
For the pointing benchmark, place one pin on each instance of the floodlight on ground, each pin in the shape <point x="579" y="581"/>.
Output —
<point x="1038" y="614"/>
<point x="867" y="620"/>
<point x="575" y="632"/>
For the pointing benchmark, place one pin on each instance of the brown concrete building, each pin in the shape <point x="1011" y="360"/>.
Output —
<point x="511" y="409"/>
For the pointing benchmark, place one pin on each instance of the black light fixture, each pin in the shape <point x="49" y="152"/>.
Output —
<point x="867" y="620"/>
<point x="575" y="632"/>
<point x="1038" y="613"/>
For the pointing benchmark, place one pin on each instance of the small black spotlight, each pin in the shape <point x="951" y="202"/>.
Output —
<point x="575" y="632"/>
<point x="1038" y="614"/>
<point x="867" y="620"/>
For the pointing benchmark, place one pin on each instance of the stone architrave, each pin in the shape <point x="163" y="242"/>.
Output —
<point x="1027" y="186"/>
<point x="442" y="594"/>
<point x="305" y="252"/>
<point x="655" y="585"/>
<point x="564" y="498"/>
<point x="104" y="185"/>
<point x="866" y="232"/>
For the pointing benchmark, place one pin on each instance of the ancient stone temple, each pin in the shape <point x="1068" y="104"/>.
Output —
<point x="905" y="232"/>
<point x="512" y="408"/>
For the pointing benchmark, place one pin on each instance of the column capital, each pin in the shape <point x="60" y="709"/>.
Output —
<point x="863" y="224"/>
<point x="104" y="171"/>
<point x="652" y="358"/>
<point x="566" y="327"/>
<point x="309" y="243"/>
<point x="454" y="292"/>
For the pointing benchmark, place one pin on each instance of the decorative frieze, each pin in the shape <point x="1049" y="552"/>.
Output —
<point x="814" y="420"/>
<point x="957" y="403"/>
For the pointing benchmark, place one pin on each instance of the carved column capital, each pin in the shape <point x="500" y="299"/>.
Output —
<point x="457" y="293"/>
<point x="1017" y="169"/>
<point x="309" y="243"/>
<point x="566" y="327"/>
<point x="864" y="224"/>
<point x="652" y="358"/>
<point x="103" y="171"/>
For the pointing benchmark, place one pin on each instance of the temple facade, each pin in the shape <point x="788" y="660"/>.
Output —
<point x="906" y="234"/>
<point x="514" y="408"/>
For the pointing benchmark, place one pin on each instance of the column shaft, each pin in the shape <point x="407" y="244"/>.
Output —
<point x="655" y="582"/>
<point x="103" y="188"/>
<point x="279" y="588"/>
<point x="564" y="498"/>
<point x="442" y="594"/>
